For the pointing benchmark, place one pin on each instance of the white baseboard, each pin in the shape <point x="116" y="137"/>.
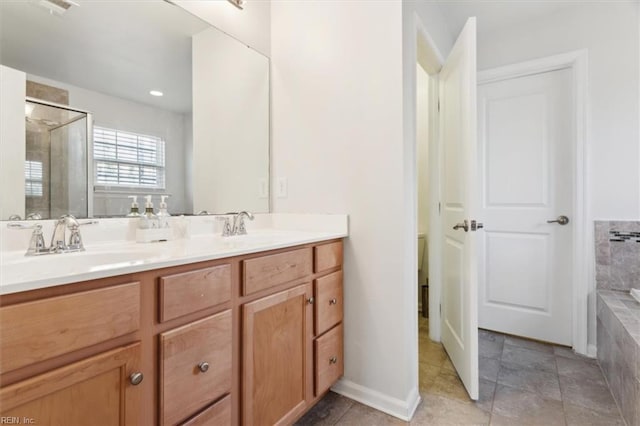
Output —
<point x="395" y="407"/>
<point x="592" y="351"/>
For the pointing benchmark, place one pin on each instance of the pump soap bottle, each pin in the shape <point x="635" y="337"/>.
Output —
<point x="163" y="214"/>
<point x="134" y="206"/>
<point x="148" y="220"/>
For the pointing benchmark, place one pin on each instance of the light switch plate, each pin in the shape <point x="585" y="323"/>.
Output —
<point x="281" y="187"/>
<point x="263" y="188"/>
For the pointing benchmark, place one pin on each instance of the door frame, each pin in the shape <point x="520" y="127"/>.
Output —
<point x="429" y="57"/>
<point x="582" y="268"/>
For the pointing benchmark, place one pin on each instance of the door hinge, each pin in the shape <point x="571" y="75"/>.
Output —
<point x="438" y="105"/>
<point x="440" y="310"/>
<point x="439" y="208"/>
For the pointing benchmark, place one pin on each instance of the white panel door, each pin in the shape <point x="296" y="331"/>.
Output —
<point x="459" y="287"/>
<point x="525" y="145"/>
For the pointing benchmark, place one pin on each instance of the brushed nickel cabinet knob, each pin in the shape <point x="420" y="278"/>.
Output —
<point x="333" y="301"/>
<point x="333" y="360"/>
<point x="203" y="367"/>
<point x="136" y="378"/>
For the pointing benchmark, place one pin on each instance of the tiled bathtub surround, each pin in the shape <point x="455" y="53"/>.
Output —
<point x="617" y="254"/>
<point x="619" y="350"/>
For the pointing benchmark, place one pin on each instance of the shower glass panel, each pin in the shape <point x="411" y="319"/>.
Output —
<point x="56" y="166"/>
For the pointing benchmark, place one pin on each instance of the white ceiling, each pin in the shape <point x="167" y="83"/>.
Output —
<point x="497" y="14"/>
<point x="121" y="48"/>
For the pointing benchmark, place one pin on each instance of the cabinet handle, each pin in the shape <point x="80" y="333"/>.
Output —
<point x="333" y="301"/>
<point x="333" y="360"/>
<point x="203" y="366"/>
<point x="136" y="378"/>
<point x="310" y="300"/>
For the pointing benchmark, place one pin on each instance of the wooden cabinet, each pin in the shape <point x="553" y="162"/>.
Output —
<point x="96" y="390"/>
<point x="292" y="339"/>
<point x="278" y="357"/>
<point x="37" y="330"/>
<point x="195" y="366"/>
<point x="253" y="339"/>
<point x="329" y="362"/>
<point x="187" y="292"/>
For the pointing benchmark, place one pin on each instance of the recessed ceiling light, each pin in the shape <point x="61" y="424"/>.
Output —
<point x="156" y="93"/>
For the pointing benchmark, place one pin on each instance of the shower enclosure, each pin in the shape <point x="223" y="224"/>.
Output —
<point x="57" y="162"/>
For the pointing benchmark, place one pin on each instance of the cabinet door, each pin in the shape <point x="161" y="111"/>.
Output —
<point x="97" y="390"/>
<point x="277" y="365"/>
<point x="195" y="366"/>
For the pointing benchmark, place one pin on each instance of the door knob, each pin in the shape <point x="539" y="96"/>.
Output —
<point x="561" y="220"/>
<point x="464" y="225"/>
<point x="475" y="225"/>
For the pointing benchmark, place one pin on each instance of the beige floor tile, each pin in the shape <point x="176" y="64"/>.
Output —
<point x="591" y="394"/>
<point x="327" y="411"/>
<point x="361" y="415"/>
<point x="580" y="416"/>
<point x="543" y="383"/>
<point x="438" y="410"/>
<point x="519" y="407"/>
<point x="449" y="385"/>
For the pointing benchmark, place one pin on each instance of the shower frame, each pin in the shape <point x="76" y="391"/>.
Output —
<point x="89" y="147"/>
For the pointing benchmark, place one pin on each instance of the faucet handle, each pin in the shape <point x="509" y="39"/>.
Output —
<point x="226" y="226"/>
<point x="36" y="243"/>
<point x="75" y="239"/>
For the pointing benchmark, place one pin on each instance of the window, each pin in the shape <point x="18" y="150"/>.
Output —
<point x="33" y="178"/>
<point x="126" y="159"/>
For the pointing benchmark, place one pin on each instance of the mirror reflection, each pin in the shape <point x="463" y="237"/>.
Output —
<point x="97" y="104"/>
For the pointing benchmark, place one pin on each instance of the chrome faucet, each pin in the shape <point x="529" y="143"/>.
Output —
<point x="238" y="223"/>
<point x="59" y="243"/>
<point x="238" y="227"/>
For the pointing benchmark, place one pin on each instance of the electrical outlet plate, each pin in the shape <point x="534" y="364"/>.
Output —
<point x="281" y="187"/>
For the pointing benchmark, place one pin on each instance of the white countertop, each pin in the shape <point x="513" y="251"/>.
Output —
<point x="110" y="258"/>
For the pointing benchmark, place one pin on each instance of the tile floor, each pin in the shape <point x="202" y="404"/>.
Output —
<point x="521" y="383"/>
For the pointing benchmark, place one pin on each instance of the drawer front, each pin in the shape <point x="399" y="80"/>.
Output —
<point x="182" y="294"/>
<point x="268" y="271"/>
<point x="39" y="330"/>
<point x="329" y="359"/>
<point x="218" y="414"/>
<point x="184" y="387"/>
<point x="329" y="302"/>
<point x="327" y="256"/>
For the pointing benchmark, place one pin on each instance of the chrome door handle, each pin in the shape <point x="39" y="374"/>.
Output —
<point x="464" y="225"/>
<point x="561" y="220"/>
<point x="475" y="225"/>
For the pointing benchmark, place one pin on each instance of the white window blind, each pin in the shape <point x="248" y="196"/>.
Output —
<point x="126" y="159"/>
<point x="33" y="178"/>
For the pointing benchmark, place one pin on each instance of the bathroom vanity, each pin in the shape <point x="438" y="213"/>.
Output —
<point x="254" y="338"/>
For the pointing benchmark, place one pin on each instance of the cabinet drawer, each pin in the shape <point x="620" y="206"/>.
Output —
<point x="329" y="359"/>
<point x="43" y="329"/>
<point x="182" y="294"/>
<point x="218" y="414"/>
<point x="184" y="387"/>
<point x="267" y="271"/>
<point x="327" y="256"/>
<point x="329" y="302"/>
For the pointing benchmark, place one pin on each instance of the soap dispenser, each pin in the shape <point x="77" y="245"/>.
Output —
<point x="163" y="214"/>
<point x="134" y="206"/>
<point x="148" y="220"/>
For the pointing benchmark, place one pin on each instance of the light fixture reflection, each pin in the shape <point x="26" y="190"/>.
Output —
<point x="156" y="93"/>
<point x="237" y="3"/>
